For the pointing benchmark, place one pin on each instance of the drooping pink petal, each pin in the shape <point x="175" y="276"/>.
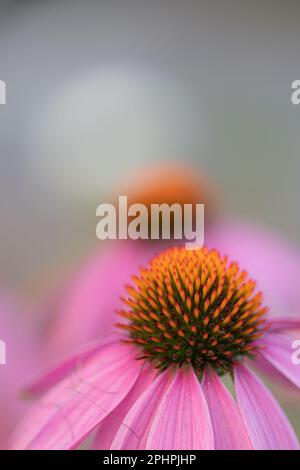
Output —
<point x="265" y="367"/>
<point x="111" y="424"/>
<point x="266" y="423"/>
<point x="75" y="406"/>
<point x="134" y="429"/>
<point x="182" y="420"/>
<point x="228" y="426"/>
<point x="65" y="367"/>
<point x="278" y="351"/>
<point x="284" y="322"/>
<point x="260" y="250"/>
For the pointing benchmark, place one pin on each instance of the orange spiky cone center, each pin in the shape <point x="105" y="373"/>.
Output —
<point x="193" y="307"/>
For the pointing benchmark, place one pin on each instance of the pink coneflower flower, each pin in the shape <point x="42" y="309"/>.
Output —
<point x="190" y="318"/>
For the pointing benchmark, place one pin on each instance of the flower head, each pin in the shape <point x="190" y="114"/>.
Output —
<point x="191" y="317"/>
<point x="191" y="306"/>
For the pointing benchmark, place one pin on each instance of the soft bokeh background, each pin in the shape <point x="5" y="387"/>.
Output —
<point x="97" y="89"/>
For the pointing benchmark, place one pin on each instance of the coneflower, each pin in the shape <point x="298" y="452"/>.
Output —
<point x="190" y="318"/>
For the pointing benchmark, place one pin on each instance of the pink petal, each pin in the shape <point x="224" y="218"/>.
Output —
<point x="228" y="426"/>
<point x="134" y="430"/>
<point x="171" y="414"/>
<point x="266" y="423"/>
<point x="264" y="367"/>
<point x="284" y="322"/>
<point x="22" y="358"/>
<point x="75" y="406"/>
<point x="111" y="424"/>
<point x="258" y="250"/>
<point x="65" y="367"/>
<point x="182" y="420"/>
<point x="278" y="352"/>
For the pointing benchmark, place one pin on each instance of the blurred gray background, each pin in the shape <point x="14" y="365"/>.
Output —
<point x="97" y="88"/>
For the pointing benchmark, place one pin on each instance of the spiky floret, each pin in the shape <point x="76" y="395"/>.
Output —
<point x="192" y="306"/>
